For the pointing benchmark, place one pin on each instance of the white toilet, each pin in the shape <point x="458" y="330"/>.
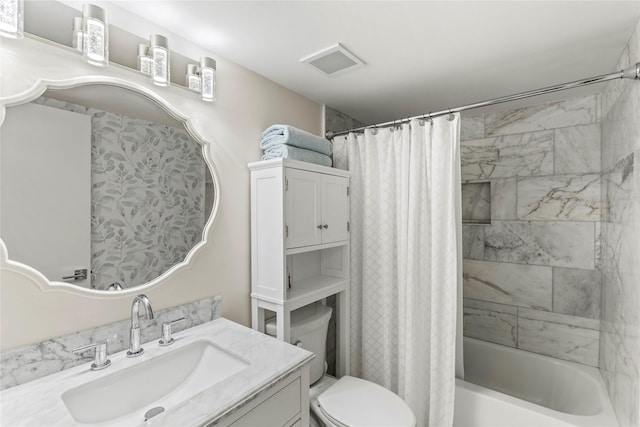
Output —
<point x="349" y="401"/>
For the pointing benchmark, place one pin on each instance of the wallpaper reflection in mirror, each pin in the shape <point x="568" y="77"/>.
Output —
<point x="147" y="196"/>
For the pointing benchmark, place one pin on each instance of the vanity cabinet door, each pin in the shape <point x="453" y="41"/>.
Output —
<point x="280" y="409"/>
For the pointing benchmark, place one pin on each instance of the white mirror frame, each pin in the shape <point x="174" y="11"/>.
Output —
<point x="25" y="78"/>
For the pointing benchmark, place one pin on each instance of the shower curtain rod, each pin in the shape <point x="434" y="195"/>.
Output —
<point x="632" y="72"/>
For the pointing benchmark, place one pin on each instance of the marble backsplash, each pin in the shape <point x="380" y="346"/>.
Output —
<point x="21" y="365"/>
<point x="531" y="277"/>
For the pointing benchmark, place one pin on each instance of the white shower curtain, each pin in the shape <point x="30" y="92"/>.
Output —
<point x="406" y="261"/>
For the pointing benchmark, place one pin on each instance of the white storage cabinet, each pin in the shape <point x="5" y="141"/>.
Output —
<point x="299" y="243"/>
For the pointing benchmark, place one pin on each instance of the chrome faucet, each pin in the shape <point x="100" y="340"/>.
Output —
<point x="134" y="336"/>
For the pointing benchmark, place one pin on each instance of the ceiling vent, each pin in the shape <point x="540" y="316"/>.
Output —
<point x="333" y="61"/>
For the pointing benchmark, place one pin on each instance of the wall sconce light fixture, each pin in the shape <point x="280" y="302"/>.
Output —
<point x="159" y="52"/>
<point x="193" y="78"/>
<point x="12" y="18"/>
<point x="95" y="29"/>
<point x="77" y="36"/>
<point x="145" y="63"/>
<point x="202" y="78"/>
<point x="207" y="79"/>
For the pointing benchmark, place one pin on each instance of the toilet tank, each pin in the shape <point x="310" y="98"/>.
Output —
<point x="309" y="326"/>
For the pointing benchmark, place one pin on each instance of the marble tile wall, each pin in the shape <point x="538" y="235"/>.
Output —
<point x="336" y="121"/>
<point x="620" y="247"/>
<point x="531" y="278"/>
<point x="21" y="365"/>
<point x="476" y="202"/>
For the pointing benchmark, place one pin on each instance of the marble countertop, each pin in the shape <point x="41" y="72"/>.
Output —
<point x="38" y="403"/>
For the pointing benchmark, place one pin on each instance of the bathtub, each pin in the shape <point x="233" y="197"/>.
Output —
<point x="508" y="387"/>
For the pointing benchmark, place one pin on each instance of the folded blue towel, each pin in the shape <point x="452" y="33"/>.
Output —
<point x="288" y="152"/>
<point x="283" y="134"/>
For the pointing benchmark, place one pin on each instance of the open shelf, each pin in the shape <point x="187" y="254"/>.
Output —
<point x="303" y="249"/>
<point x="306" y="291"/>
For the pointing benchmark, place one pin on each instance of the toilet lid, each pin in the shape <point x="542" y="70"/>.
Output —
<point x="358" y="403"/>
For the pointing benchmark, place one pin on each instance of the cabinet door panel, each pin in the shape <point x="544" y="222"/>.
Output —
<point x="335" y="209"/>
<point x="278" y="410"/>
<point x="303" y="208"/>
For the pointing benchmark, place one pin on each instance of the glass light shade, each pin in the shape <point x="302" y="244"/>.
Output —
<point x="207" y="79"/>
<point x="145" y="63"/>
<point x="12" y="18"/>
<point x="192" y="79"/>
<point x="159" y="52"/>
<point x="95" y="44"/>
<point x="77" y="36"/>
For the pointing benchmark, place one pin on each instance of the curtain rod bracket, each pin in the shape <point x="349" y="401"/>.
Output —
<point x="632" y="72"/>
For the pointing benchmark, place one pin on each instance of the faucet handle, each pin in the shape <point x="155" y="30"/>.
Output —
<point x="167" y="339"/>
<point x="100" y="360"/>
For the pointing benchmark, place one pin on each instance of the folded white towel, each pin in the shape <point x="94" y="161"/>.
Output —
<point x="283" y="134"/>
<point x="288" y="152"/>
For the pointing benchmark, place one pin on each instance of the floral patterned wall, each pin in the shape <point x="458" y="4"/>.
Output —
<point x="147" y="196"/>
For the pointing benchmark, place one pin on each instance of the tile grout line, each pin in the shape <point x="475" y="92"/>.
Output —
<point x="517" y="327"/>
<point x="553" y="287"/>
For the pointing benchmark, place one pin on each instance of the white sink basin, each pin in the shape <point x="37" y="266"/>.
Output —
<point x="210" y="371"/>
<point x="162" y="381"/>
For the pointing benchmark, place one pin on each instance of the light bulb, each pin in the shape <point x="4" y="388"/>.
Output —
<point x="145" y="63"/>
<point x="77" y="36"/>
<point x="207" y="79"/>
<point x="95" y="45"/>
<point x="12" y="18"/>
<point x="192" y="79"/>
<point x="159" y="52"/>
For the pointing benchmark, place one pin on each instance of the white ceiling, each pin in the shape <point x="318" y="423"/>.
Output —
<point x="421" y="55"/>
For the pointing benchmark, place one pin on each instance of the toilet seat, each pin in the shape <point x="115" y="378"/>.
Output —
<point x="355" y="402"/>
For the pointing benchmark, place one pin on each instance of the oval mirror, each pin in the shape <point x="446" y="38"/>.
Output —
<point x="100" y="187"/>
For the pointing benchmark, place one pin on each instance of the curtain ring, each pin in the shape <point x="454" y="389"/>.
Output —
<point x="450" y="117"/>
<point x="374" y="131"/>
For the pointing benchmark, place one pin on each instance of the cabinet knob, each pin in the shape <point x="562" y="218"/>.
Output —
<point x="320" y="227"/>
<point x="325" y="226"/>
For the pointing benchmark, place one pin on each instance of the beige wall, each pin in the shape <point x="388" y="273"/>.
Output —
<point x="247" y="103"/>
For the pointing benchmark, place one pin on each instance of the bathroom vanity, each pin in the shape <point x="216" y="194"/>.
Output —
<point x="219" y="373"/>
